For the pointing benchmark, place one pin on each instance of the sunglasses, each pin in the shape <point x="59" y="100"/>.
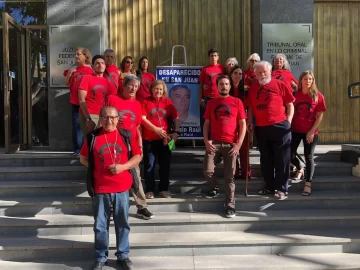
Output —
<point x="129" y="62"/>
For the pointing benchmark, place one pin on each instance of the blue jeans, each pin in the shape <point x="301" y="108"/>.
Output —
<point x="77" y="137"/>
<point x="102" y="211"/>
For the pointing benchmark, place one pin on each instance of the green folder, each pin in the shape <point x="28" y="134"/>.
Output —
<point x="171" y="145"/>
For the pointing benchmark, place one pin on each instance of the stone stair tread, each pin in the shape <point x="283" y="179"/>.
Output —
<point x="173" y="181"/>
<point x="193" y="239"/>
<point x="34" y="169"/>
<point x="187" y="217"/>
<point x="178" y="198"/>
<point x="228" y="262"/>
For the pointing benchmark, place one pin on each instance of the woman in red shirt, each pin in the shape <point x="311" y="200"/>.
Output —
<point x="157" y="111"/>
<point x="281" y="71"/>
<point x="146" y="79"/>
<point x="126" y="68"/>
<point x="73" y="77"/>
<point x="309" y="110"/>
<point x="249" y="73"/>
<point x="239" y="90"/>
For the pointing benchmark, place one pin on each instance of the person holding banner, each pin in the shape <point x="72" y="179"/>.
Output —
<point x="208" y="76"/>
<point x="224" y="132"/>
<point x="112" y="72"/>
<point x="281" y="71"/>
<point x="146" y="79"/>
<point x="271" y="102"/>
<point x="239" y="90"/>
<point x="158" y="111"/>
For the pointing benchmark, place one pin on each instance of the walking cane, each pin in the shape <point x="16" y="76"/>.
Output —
<point x="247" y="163"/>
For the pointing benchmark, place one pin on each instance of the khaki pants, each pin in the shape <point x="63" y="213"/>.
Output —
<point x="139" y="197"/>
<point x="222" y="150"/>
<point x="83" y="126"/>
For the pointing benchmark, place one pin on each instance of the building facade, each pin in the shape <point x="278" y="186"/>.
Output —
<point x="40" y="43"/>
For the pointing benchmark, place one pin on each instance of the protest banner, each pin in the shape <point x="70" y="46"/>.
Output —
<point x="183" y="86"/>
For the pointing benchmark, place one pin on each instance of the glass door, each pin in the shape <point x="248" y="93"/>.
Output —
<point x="14" y="83"/>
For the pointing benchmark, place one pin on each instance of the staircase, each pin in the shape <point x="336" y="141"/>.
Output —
<point x="46" y="222"/>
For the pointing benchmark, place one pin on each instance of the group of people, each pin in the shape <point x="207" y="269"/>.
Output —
<point x="283" y="110"/>
<point x="121" y="116"/>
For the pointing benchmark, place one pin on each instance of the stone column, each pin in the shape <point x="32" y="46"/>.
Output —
<point x="70" y="12"/>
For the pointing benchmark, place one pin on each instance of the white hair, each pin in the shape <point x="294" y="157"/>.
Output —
<point x="232" y="59"/>
<point x="286" y="62"/>
<point x="251" y="56"/>
<point x="262" y="64"/>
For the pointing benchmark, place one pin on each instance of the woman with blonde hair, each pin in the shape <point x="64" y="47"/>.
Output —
<point x="281" y="71"/>
<point x="73" y="77"/>
<point x="158" y="112"/>
<point x="309" y="110"/>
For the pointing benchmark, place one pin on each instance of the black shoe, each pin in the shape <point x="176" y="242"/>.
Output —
<point x="212" y="193"/>
<point x="144" y="213"/>
<point x="98" y="266"/>
<point x="126" y="264"/>
<point x="230" y="212"/>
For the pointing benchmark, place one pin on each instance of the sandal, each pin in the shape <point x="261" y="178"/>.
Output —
<point x="265" y="191"/>
<point x="307" y="189"/>
<point x="298" y="175"/>
<point x="149" y="195"/>
<point x="279" y="194"/>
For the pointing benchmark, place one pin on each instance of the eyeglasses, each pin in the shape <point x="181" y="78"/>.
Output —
<point x="112" y="118"/>
<point x="253" y="60"/>
<point x="129" y="62"/>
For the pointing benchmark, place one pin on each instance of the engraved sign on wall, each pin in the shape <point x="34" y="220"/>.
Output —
<point x="63" y="40"/>
<point x="295" y="40"/>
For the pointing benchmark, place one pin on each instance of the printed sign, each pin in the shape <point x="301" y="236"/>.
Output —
<point x="295" y="40"/>
<point x="63" y="41"/>
<point x="183" y="89"/>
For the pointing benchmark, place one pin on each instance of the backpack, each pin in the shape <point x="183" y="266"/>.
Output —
<point x="91" y="139"/>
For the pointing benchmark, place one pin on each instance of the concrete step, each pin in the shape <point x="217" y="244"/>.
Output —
<point x="79" y="247"/>
<point x="63" y="224"/>
<point x="177" y="170"/>
<point x="81" y="204"/>
<point x="185" y="185"/>
<point x="219" y="262"/>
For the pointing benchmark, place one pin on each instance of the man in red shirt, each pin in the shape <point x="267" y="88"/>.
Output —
<point x="225" y="119"/>
<point x="112" y="181"/>
<point x="93" y="91"/>
<point x="208" y="76"/>
<point x="271" y="102"/>
<point x="112" y="72"/>
<point x="130" y="114"/>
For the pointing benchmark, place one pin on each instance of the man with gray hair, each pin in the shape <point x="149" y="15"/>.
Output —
<point x="271" y="102"/>
<point x="106" y="154"/>
<point x="112" y="72"/>
<point x="130" y="114"/>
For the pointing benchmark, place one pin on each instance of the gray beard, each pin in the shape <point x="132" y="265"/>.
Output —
<point x="265" y="81"/>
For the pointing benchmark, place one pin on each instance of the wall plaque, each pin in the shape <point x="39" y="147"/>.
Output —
<point x="63" y="40"/>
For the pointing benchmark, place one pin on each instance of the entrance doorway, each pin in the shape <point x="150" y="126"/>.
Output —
<point x="23" y="86"/>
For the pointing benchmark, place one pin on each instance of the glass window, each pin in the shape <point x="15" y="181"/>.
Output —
<point x="25" y="12"/>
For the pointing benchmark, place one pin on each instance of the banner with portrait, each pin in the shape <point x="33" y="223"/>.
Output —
<point x="183" y="89"/>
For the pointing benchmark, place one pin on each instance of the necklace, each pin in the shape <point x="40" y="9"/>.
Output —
<point x="111" y="156"/>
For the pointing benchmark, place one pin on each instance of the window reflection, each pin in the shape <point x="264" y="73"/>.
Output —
<point x="25" y="12"/>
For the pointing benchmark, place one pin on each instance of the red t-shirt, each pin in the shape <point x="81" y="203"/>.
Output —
<point x="284" y="75"/>
<point x="98" y="88"/>
<point x="268" y="102"/>
<point x="130" y="112"/>
<point x="112" y="74"/>
<point x="144" y="90"/>
<point x="157" y="112"/>
<point x="305" y="112"/>
<point x="104" y="156"/>
<point x="208" y="76"/>
<point x="224" y="115"/>
<point x="75" y="81"/>
<point x="249" y="77"/>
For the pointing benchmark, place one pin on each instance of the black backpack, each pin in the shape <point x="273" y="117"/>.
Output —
<point x="91" y="139"/>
